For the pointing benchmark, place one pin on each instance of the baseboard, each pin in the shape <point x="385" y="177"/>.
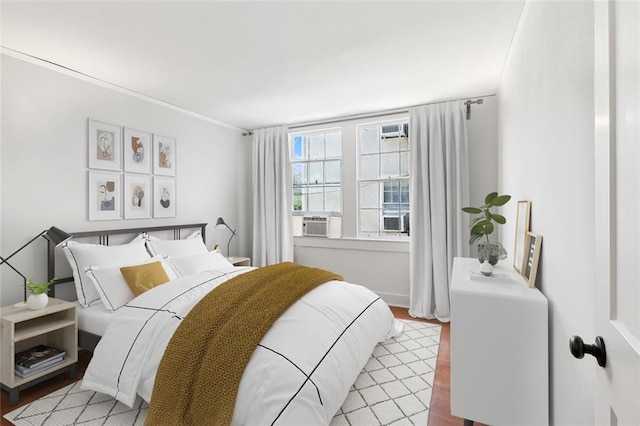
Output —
<point x="391" y="299"/>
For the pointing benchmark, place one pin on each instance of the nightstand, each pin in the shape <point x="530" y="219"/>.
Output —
<point x="54" y="325"/>
<point x="239" y="261"/>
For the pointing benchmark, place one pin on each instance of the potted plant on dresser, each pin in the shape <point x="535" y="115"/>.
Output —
<point x="482" y="225"/>
<point x="38" y="297"/>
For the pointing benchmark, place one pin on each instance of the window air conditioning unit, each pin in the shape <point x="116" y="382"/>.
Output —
<point x="395" y="223"/>
<point x="315" y="226"/>
<point x="395" y="130"/>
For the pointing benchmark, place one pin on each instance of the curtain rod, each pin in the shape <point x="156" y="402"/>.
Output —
<point x="468" y="102"/>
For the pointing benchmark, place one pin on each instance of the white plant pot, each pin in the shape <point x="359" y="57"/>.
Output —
<point x="37" y="301"/>
<point x="486" y="269"/>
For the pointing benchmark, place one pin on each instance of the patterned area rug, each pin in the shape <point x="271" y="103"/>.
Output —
<point x="393" y="388"/>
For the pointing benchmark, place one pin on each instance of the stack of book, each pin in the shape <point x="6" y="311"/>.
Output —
<point x="36" y="359"/>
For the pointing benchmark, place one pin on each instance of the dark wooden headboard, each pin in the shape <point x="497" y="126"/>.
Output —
<point x="102" y="237"/>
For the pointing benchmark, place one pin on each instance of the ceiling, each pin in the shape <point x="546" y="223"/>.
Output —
<point x="258" y="64"/>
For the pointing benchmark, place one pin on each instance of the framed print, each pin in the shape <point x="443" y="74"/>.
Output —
<point x="164" y="197"/>
<point x="137" y="150"/>
<point x="137" y="197"/>
<point x="533" y="244"/>
<point x="164" y="156"/>
<point x="105" y="146"/>
<point x="523" y="223"/>
<point x="105" y="196"/>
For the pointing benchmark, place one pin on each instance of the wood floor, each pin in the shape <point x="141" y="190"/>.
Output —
<point x="439" y="414"/>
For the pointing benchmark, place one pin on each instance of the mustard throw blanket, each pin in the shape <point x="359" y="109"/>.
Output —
<point x="198" y="377"/>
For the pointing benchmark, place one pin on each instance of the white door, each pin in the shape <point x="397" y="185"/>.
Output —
<point x="617" y="203"/>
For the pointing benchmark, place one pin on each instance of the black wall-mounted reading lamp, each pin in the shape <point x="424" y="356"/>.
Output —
<point x="53" y="234"/>
<point x="220" y="225"/>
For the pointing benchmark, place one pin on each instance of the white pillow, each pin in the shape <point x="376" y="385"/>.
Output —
<point x="111" y="285"/>
<point x="189" y="246"/>
<point x="81" y="255"/>
<point x="199" y="262"/>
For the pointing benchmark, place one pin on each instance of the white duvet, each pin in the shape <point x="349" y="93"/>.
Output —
<point x="300" y="373"/>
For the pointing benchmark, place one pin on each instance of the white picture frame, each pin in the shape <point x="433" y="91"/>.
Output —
<point x="138" y="196"/>
<point x="164" y="155"/>
<point x="164" y="197"/>
<point x="105" y="146"/>
<point x="523" y="225"/>
<point x="105" y="195"/>
<point x="137" y="150"/>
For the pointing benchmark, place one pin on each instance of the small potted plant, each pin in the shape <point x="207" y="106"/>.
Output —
<point x="482" y="225"/>
<point x="38" y="297"/>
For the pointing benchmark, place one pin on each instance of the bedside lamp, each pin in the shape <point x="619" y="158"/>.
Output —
<point x="53" y="234"/>
<point x="220" y="225"/>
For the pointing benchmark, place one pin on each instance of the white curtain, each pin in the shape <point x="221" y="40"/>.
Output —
<point x="272" y="198"/>
<point x="439" y="189"/>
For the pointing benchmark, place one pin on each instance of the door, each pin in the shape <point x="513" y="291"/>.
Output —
<point x="617" y="204"/>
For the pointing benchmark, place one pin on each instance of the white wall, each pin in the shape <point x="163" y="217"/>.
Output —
<point x="383" y="266"/>
<point x="546" y="123"/>
<point x="44" y="164"/>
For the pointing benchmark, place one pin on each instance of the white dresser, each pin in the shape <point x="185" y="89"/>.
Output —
<point x="499" y="348"/>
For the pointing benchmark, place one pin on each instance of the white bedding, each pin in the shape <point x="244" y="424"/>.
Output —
<point x="93" y="319"/>
<point x="328" y="334"/>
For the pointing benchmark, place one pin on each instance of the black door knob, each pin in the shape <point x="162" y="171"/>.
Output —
<point x="578" y="349"/>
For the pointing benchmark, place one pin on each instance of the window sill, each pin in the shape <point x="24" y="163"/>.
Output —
<point x="388" y="245"/>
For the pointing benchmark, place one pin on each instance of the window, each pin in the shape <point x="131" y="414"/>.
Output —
<point x="316" y="160"/>
<point x="353" y="175"/>
<point x="383" y="179"/>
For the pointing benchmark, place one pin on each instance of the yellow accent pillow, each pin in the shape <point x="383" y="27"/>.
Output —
<point x="144" y="277"/>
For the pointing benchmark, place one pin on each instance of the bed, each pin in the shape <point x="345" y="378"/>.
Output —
<point x="299" y="373"/>
<point x="93" y="321"/>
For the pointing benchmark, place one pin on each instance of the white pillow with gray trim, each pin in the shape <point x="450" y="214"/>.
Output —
<point x="189" y="246"/>
<point x="113" y="288"/>
<point x="81" y="256"/>
<point x="200" y="262"/>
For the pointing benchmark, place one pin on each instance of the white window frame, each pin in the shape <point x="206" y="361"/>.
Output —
<point x="308" y="161"/>
<point x="380" y="181"/>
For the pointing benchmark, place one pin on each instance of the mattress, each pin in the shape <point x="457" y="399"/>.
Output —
<point x="93" y="319"/>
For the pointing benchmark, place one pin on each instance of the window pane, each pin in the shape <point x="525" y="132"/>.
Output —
<point x="300" y="199"/>
<point x="316" y="146"/>
<point x="299" y="173"/>
<point x="404" y="143"/>
<point x="389" y="165"/>
<point x="315" y="199"/>
<point x="369" y="137"/>
<point x="315" y="172"/>
<point x="369" y="167"/>
<point x="332" y="171"/>
<point x="299" y="151"/>
<point x="390" y="145"/>
<point x="404" y="194"/>
<point x="332" y="198"/>
<point x="334" y="144"/>
<point x="370" y="221"/>
<point x="390" y="193"/>
<point x="404" y="164"/>
<point x="369" y="195"/>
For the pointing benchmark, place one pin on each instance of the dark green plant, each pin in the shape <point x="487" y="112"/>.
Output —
<point x="482" y="225"/>
<point x="39" y="288"/>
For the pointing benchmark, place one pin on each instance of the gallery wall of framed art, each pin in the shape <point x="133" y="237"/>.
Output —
<point x="132" y="173"/>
